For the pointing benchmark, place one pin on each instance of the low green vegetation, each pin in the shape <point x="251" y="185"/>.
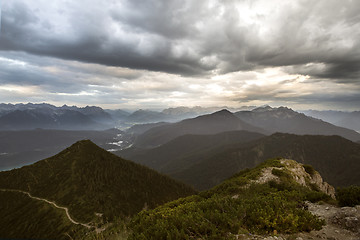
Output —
<point x="26" y="218"/>
<point x="348" y="196"/>
<point x="233" y="207"/>
<point x="309" y="169"/>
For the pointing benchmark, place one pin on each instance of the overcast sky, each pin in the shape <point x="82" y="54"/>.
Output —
<point x="156" y="54"/>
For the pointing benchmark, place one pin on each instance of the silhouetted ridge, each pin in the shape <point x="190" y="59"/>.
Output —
<point x="221" y="121"/>
<point x="336" y="158"/>
<point x="184" y="151"/>
<point x="286" y="120"/>
<point x="223" y="112"/>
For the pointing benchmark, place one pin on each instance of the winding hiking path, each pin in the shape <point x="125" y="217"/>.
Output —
<point x="49" y="202"/>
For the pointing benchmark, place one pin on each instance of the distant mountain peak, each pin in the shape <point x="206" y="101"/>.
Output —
<point x="263" y="108"/>
<point x="223" y="112"/>
<point x="268" y="108"/>
<point x="83" y="144"/>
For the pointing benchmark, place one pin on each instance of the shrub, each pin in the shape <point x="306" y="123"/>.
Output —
<point x="283" y="175"/>
<point x="309" y="169"/>
<point x="348" y="196"/>
<point x="317" y="196"/>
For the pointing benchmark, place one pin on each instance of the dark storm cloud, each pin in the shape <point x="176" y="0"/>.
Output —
<point x="53" y="75"/>
<point x="190" y="37"/>
<point x="22" y="30"/>
<point x="345" y="71"/>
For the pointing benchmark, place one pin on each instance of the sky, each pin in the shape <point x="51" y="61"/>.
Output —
<point x="129" y="54"/>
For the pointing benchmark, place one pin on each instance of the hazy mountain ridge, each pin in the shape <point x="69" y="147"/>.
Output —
<point x="148" y="135"/>
<point x="138" y="129"/>
<point x="175" y="114"/>
<point x="30" y="116"/>
<point x="286" y="120"/>
<point x="340" y="118"/>
<point x="217" y="122"/>
<point x="186" y="150"/>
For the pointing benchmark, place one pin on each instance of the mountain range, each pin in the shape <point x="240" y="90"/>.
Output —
<point x="20" y="147"/>
<point x="339" y="118"/>
<point x="47" y="116"/>
<point x="205" y="160"/>
<point x="286" y="120"/>
<point x="175" y="114"/>
<point x="265" y="120"/>
<point x="31" y="116"/>
<point x="217" y="122"/>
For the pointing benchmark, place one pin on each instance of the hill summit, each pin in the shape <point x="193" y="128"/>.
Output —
<point x="95" y="186"/>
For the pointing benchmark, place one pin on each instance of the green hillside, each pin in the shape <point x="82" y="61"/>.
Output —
<point x="96" y="186"/>
<point x="26" y="218"/>
<point x="244" y="204"/>
<point x="336" y="158"/>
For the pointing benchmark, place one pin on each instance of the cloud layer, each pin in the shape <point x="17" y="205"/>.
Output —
<point x="157" y="51"/>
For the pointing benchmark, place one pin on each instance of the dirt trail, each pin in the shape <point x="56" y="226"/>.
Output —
<point x="49" y="202"/>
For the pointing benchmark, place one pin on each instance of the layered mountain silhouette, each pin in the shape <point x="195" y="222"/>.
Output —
<point x="184" y="151"/>
<point x="336" y="158"/>
<point x="146" y="116"/>
<point x="339" y="118"/>
<point x="286" y="120"/>
<point x="214" y="123"/>
<point x="96" y="186"/>
<point x="138" y="129"/>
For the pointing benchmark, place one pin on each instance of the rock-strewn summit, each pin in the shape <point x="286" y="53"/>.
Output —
<point x="304" y="175"/>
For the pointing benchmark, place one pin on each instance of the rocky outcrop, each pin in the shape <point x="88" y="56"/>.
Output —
<point x="311" y="179"/>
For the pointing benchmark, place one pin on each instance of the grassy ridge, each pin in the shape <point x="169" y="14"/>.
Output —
<point x="230" y="209"/>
